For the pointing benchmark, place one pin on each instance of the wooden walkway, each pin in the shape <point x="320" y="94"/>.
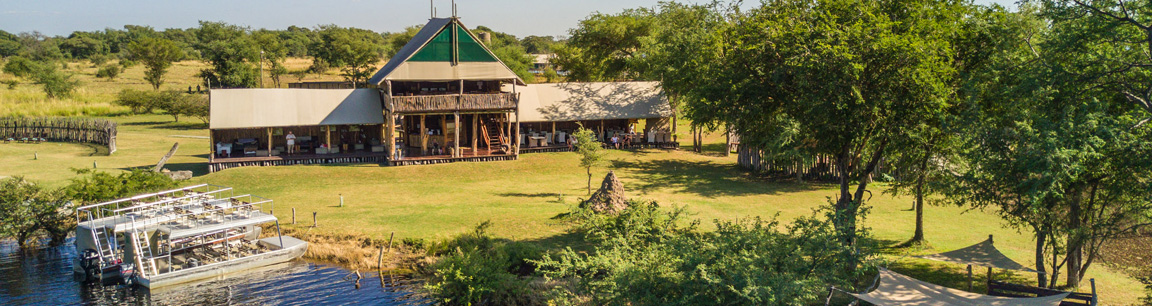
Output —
<point x="217" y="164"/>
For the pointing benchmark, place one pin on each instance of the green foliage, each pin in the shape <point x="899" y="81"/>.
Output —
<point x="175" y="103"/>
<point x="479" y="270"/>
<point x="274" y="53"/>
<point x="539" y="44"/>
<point x="139" y="101"/>
<point x="178" y="104"/>
<point x="157" y="55"/>
<point x="57" y="84"/>
<point x="11" y="84"/>
<point x="590" y="151"/>
<point x="91" y="186"/>
<point x="231" y="54"/>
<point x="645" y="256"/>
<point x="606" y="47"/>
<point x="109" y="72"/>
<point x="98" y="59"/>
<point x="127" y="63"/>
<point x="356" y="51"/>
<point x="81" y="45"/>
<point x="17" y="219"/>
<point x="20" y="67"/>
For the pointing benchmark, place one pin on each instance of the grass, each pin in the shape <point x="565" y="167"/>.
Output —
<point x="521" y="197"/>
<point x="95" y="96"/>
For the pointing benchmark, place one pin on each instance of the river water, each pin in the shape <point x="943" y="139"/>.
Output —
<point x="43" y="276"/>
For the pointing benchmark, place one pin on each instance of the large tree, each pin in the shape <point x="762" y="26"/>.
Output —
<point x="1063" y="150"/>
<point x="355" y="51"/>
<point x="231" y="54"/>
<point x="157" y="55"/>
<point x="848" y="78"/>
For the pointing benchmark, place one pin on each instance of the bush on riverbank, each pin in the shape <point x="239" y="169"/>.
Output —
<point x="645" y="255"/>
<point x="476" y="269"/>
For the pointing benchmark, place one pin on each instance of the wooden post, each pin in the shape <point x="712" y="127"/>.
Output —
<point x="328" y="137"/>
<point x="601" y="134"/>
<point x="727" y="141"/>
<point x="380" y="260"/>
<point x="293" y="215"/>
<point x="456" y="131"/>
<point x="550" y="141"/>
<point x="508" y="131"/>
<point x="423" y="135"/>
<point x="475" y="120"/>
<point x="269" y="141"/>
<point x="969" y="278"/>
<point x="443" y="124"/>
<point x="314" y="224"/>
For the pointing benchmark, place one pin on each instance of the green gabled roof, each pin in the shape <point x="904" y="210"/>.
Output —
<point x="444" y="46"/>
<point x="438" y="51"/>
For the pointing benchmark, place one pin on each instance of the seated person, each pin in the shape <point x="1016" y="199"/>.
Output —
<point x="435" y="148"/>
<point x="615" y="141"/>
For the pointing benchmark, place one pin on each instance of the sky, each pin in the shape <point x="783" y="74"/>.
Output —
<point x="517" y="17"/>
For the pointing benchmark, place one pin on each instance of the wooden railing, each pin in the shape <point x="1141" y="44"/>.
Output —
<point x="455" y="102"/>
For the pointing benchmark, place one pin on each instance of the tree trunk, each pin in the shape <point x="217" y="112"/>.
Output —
<point x="1075" y="242"/>
<point x="1042" y="277"/>
<point x="918" y="236"/>
<point x="589" y="181"/>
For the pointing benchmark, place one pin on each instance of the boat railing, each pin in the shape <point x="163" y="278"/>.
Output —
<point x="156" y="200"/>
<point x="218" y="210"/>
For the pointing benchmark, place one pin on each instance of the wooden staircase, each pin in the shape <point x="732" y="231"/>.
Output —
<point x="493" y="141"/>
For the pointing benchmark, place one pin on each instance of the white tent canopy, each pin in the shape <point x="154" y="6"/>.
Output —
<point x="268" y="107"/>
<point x="898" y="289"/>
<point x="982" y="254"/>
<point x="592" y="101"/>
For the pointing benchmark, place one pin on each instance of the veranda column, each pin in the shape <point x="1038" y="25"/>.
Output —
<point x="456" y="135"/>
<point x="423" y="136"/>
<point x="443" y="124"/>
<point x="328" y="137"/>
<point x="475" y="118"/>
<point x="553" y="133"/>
<point x="269" y="141"/>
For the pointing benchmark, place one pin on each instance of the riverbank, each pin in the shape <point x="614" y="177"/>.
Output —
<point x="437" y="202"/>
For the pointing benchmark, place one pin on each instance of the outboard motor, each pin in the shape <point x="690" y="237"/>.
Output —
<point x="128" y="273"/>
<point x="90" y="263"/>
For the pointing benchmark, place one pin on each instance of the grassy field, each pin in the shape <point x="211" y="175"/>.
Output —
<point x="94" y="96"/>
<point x="520" y="197"/>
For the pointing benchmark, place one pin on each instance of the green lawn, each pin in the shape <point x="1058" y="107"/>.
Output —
<point x="520" y="197"/>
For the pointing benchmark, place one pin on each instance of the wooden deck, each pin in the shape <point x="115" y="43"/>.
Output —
<point x="217" y="164"/>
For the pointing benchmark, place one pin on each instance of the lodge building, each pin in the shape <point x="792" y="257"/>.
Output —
<point x="444" y="97"/>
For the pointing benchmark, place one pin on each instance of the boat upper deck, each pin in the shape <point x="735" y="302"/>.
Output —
<point x="180" y="213"/>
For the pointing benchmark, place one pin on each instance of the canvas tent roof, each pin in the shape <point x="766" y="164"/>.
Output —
<point x="897" y="289"/>
<point x="982" y="254"/>
<point x="592" y="101"/>
<point x="444" y="50"/>
<point x="254" y="108"/>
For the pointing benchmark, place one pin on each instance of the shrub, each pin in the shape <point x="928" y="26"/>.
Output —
<point x="179" y="104"/>
<point x="139" y="101"/>
<point x="98" y="59"/>
<point x="108" y="71"/>
<point x="641" y="257"/>
<point x="11" y="83"/>
<point x="127" y="63"/>
<point x="478" y="269"/>
<point x="90" y="186"/>
<point x="20" y="67"/>
<point x="57" y="84"/>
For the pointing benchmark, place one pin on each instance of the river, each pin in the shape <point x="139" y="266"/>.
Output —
<point x="43" y="276"/>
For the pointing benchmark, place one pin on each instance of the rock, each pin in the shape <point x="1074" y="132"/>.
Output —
<point x="182" y="175"/>
<point x="609" y="198"/>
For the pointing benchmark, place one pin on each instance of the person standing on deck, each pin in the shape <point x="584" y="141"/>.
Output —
<point x="291" y="142"/>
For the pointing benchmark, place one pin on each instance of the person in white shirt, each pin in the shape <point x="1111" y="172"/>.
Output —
<point x="291" y="142"/>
